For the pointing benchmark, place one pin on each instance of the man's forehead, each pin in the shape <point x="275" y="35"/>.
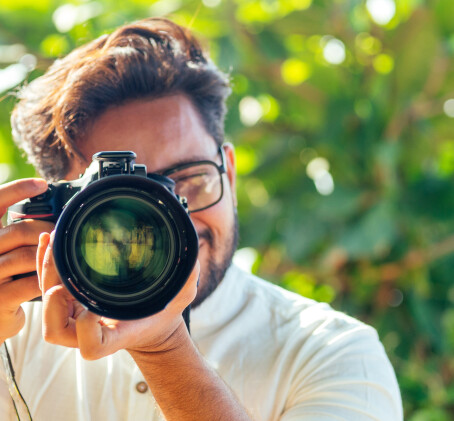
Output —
<point x="164" y="133"/>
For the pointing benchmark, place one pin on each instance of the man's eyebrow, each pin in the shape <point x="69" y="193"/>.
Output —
<point x="185" y="161"/>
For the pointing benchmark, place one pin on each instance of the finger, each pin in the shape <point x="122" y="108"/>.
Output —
<point x="15" y="191"/>
<point x="49" y="275"/>
<point x="14" y="293"/>
<point x="18" y="261"/>
<point x="94" y="339"/>
<point x="58" y="322"/>
<point x="23" y="233"/>
<point x="44" y="240"/>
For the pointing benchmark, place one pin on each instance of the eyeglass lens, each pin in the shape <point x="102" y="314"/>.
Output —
<point x="201" y="184"/>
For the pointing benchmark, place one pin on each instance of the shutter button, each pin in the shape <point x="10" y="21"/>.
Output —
<point x="141" y="387"/>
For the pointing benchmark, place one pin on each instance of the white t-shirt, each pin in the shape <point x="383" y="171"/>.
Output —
<point x="286" y="357"/>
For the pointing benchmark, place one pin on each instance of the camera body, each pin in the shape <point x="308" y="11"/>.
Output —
<point x="124" y="244"/>
<point x="49" y="205"/>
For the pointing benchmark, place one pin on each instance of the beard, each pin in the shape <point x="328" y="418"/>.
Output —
<point x="216" y="270"/>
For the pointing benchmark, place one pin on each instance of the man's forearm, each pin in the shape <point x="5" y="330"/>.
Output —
<point x="185" y="386"/>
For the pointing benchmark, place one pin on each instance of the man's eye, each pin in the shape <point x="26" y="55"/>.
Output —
<point x="186" y="177"/>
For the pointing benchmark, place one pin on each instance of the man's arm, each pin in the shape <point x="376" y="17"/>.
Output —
<point x="184" y="385"/>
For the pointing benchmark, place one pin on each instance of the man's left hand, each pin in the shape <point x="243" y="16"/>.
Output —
<point x="67" y="322"/>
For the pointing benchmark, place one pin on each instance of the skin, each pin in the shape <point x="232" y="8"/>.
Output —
<point x="163" y="132"/>
<point x="18" y="246"/>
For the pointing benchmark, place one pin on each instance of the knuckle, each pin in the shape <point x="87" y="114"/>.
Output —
<point x="11" y="323"/>
<point x="50" y="335"/>
<point x="7" y="229"/>
<point x="5" y="234"/>
<point x="11" y="193"/>
<point x="21" y="229"/>
<point x="27" y="229"/>
<point x="14" y="295"/>
<point x="190" y="293"/>
<point x="16" y="230"/>
<point x="47" y="226"/>
<point x="27" y="253"/>
<point x="24" y="232"/>
<point x="55" y="293"/>
<point x="5" y="264"/>
<point x="36" y="226"/>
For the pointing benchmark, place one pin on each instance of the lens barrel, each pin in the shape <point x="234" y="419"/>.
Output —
<point x="125" y="246"/>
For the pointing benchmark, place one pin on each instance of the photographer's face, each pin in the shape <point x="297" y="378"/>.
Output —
<point x="163" y="133"/>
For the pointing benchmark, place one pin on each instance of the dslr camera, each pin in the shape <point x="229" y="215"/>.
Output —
<point x="124" y="244"/>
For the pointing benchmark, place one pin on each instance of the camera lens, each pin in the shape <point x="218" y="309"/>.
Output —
<point x="123" y="246"/>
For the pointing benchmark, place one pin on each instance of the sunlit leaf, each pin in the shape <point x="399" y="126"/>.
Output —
<point x="24" y="5"/>
<point x="383" y="63"/>
<point x="295" y="72"/>
<point x="54" y="45"/>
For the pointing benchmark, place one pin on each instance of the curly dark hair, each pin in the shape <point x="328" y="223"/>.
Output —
<point x="150" y="58"/>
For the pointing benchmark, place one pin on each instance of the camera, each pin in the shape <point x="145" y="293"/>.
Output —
<point x="124" y="244"/>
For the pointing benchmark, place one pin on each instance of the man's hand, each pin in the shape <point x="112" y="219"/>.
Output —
<point x="182" y="382"/>
<point x="18" y="243"/>
<point x="67" y="322"/>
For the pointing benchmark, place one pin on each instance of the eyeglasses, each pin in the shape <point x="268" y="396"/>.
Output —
<point x="200" y="182"/>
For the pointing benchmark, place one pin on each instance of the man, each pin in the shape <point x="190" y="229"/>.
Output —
<point x="255" y="352"/>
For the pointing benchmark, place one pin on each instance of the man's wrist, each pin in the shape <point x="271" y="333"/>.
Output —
<point x="176" y="340"/>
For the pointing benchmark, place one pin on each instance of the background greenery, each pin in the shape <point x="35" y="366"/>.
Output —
<point x="342" y="117"/>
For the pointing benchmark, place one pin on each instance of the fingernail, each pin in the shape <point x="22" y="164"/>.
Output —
<point x="42" y="239"/>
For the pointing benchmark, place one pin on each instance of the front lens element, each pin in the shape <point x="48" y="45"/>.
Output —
<point x="123" y="246"/>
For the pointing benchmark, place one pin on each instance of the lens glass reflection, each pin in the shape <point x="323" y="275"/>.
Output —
<point x="123" y="246"/>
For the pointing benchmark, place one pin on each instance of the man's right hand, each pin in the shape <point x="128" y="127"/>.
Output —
<point x="18" y="245"/>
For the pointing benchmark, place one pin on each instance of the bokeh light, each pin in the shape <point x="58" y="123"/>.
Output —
<point x="448" y="107"/>
<point x="381" y="11"/>
<point x="333" y="50"/>
<point x="250" y="111"/>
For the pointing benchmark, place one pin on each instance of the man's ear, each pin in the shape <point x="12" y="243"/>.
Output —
<point x="229" y="151"/>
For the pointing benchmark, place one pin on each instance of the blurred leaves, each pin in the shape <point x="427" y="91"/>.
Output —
<point x="373" y="235"/>
<point x="359" y="85"/>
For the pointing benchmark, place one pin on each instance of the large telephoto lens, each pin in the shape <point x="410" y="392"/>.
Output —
<point x="125" y="246"/>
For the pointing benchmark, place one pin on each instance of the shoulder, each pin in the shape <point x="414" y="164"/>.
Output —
<point x="250" y="311"/>
<point x="308" y="323"/>
<point x="329" y="360"/>
<point x="313" y="359"/>
<point x="309" y="316"/>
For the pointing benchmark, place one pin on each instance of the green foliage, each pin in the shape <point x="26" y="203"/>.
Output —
<point x="368" y="226"/>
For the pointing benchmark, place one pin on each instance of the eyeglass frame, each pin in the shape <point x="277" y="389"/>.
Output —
<point x="222" y="169"/>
